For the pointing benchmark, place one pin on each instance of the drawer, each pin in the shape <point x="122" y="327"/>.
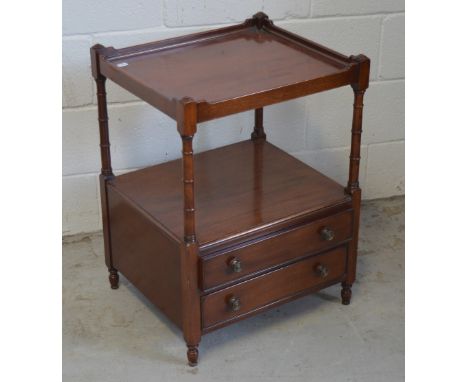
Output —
<point x="248" y="296"/>
<point x="276" y="249"/>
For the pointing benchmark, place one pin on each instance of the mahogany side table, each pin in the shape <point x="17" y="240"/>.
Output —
<point x="222" y="235"/>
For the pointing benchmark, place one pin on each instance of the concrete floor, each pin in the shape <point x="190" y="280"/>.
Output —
<point x="116" y="335"/>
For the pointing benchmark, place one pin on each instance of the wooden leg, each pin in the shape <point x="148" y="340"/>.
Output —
<point x="191" y="320"/>
<point x="114" y="278"/>
<point x="352" y="188"/>
<point x="192" y="355"/>
<point x="106" y="169"/>
<point x="258" y="132"/>
<point x="191" y="315"/>
<point x="346" y="293"/>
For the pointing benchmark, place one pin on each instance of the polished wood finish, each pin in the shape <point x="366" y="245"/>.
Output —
<point x="272" y="286"/>
<point x="191" y="315"/>
<point x="228" y="70"/>
<point x="148" y="257"/>
<point x="106" y="167"/>
<point x="359" y="88"/>
<point x="261" y="255"/>
<point x="218" y="236"/>
<point x="265" y="186"/>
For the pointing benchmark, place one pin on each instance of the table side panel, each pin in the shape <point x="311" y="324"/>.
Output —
<point x="147" y="257"/>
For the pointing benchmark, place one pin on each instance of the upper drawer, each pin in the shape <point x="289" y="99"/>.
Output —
<point x="275" y="249"/>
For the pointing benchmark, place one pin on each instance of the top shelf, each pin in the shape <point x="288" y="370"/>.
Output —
<point x="227" y="70"/>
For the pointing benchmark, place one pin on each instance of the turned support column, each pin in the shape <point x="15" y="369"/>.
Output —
<point x="187" y="124"/>
<point x="362" y="65"/>
<point x="106" y="167"/>
<point x="356" y="131"/>
<point x="258" y="132"/>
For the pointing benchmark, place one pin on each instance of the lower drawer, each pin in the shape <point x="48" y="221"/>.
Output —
<point x="240" y="299"/>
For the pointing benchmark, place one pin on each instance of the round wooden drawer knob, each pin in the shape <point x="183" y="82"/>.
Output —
<point x="234" y="303"/>
<point x="327" y="234"/>
<point x="321" y="270"/>
<point x="235" y="265"/>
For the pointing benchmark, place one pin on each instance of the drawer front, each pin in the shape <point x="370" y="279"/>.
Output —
<point x="240" y="299"/>
<point x="275" y="250"/>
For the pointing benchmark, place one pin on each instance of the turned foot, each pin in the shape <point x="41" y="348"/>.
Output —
<point x="114" y="278"/>
<point x="192" y="355"/>
<point x="346" y="293"/>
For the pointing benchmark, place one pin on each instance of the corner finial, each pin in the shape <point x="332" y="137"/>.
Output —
<point x="362" y="64"/>
<point x="98" y="51"/>
<point x="95" y="51"/>
<point x="260" y="19"/>
<point x="358" y="58"/>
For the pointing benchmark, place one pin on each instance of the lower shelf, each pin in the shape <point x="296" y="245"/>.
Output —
<point x="239" y="189"/>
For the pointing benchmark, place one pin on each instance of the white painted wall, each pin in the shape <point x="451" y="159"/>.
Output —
<point x="315" y="129"/>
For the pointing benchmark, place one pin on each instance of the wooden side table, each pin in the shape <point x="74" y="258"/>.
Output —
<point x="222" y="235"/>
